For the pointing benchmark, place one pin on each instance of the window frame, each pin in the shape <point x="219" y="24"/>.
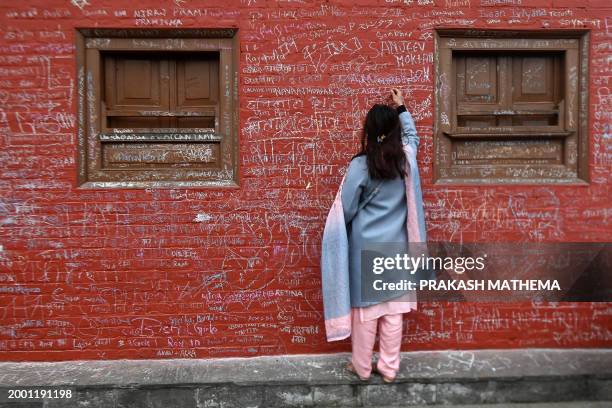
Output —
<point x="572" y="127"/>
<point x="91" y="43"/>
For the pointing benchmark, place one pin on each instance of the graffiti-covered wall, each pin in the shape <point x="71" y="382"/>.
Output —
<point x="214" y="272"/>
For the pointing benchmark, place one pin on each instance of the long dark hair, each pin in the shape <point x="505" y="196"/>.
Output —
<point x="385" y="158"/>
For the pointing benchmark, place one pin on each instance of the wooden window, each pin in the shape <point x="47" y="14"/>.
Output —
<point x="157" y="108"/>
<point x="510" y="107"/>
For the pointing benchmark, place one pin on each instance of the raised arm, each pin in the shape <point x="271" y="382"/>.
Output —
<point x="409" y="134"/>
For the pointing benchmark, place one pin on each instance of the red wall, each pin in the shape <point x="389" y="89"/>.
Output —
<point x="193" y="273"/>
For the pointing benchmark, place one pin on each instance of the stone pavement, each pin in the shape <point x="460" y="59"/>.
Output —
<point x="427" y="378"/>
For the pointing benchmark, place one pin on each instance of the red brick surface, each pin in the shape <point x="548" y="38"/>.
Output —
<point x="193" y="273"/>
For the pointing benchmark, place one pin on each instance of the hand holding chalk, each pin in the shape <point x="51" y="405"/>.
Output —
<point x="397" y="97"/>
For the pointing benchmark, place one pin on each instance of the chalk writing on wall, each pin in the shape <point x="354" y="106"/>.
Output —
<point x="192" y="273"/>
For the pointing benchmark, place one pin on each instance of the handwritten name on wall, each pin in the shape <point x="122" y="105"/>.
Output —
<point x="192" y="273"/>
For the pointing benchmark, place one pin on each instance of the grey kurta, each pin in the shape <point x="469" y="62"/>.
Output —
<point x="383" y="219"/>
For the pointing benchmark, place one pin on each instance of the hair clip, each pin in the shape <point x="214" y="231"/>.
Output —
<point x="381" y="138"/>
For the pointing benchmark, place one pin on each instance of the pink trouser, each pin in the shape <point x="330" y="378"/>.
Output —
<point x="389" y="338"/>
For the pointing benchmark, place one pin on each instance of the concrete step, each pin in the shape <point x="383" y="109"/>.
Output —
<point x="572" y="404"/>
<point x="427" y="378"/>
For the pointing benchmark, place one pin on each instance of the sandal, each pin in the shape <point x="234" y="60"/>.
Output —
<point x="385" y="378"/>
<point x="351" y="368"/>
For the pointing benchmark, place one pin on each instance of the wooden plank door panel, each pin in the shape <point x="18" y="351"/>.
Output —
<point x="197" y="81"/>
<point x="136" y="83"/>
<point x="476" y="79"/>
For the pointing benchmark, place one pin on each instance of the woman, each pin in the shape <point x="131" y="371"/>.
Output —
<point x="380" y="201"/>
